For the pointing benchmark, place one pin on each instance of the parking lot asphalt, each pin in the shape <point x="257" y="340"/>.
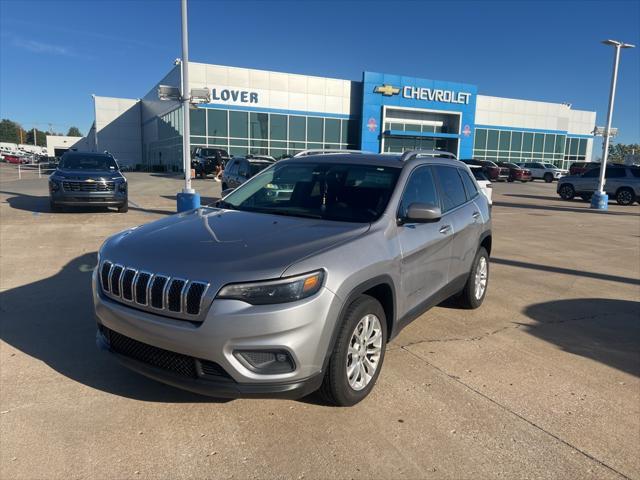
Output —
<point x="541" y="382"/>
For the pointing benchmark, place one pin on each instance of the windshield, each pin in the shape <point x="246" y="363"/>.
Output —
<point x="211" y="152"/>
<point x="348" y="193"/>
<point x="88" y="162"/>
<point x="257" y="167"/>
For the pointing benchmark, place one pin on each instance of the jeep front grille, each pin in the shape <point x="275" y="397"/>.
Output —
<point x="155" y="292"/>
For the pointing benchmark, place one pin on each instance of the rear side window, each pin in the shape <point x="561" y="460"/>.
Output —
<point x="594" y="172"/>
<point x="469" y="184"/>
<point x="451" y="188"/>
<point x="420" y="188"/>
<point x="615" y="172"/>
<point x="635" y="172"/>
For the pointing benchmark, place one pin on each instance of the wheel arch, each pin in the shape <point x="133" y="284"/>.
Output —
<point x="382" y="288"/>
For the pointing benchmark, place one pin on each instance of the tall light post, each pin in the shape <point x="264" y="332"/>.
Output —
<point x="600" y="200"/>
<point x="188" y="199"/>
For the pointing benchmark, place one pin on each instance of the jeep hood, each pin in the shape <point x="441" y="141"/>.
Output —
<point x="225" y="246"/>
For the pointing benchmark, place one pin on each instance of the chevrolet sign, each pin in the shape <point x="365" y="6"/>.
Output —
<point x="436" y="95"/>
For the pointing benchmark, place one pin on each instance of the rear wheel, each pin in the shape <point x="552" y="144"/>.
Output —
<point x="567" y="192"/>
<point x="548" y="177"/>
<point x="625" y="196"/>
<point x="475" y="289"/>
<point x="358" y="354"/>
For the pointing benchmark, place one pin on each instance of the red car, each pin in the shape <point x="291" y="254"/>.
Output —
<point x="490" y="169"/>
<point x="516" y="172"/>
<point x="14" y="159"/>
<point x="578" y="168"/>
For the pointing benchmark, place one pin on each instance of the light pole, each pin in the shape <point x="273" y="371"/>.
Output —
<point x="188" y="199"/>
<point x="600" y="200"/>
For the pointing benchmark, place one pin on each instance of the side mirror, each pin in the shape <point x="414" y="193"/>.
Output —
<point x="227" y="192"/>
<point x="422" y="213"/>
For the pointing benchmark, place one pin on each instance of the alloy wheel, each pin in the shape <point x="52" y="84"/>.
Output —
<point x="363" y="355"/>
<point x="482" y="274"/>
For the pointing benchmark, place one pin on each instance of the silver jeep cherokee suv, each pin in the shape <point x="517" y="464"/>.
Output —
<point x="296" y="280"/>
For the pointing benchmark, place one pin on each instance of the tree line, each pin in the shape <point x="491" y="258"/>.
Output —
<point x="12" y="132"/>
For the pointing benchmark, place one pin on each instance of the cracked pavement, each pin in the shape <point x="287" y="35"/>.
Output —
<point x="541" y="382"/>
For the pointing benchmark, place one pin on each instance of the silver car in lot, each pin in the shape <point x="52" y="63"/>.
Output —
<point x="282" y="294"/>
<point x="621" y="182"/>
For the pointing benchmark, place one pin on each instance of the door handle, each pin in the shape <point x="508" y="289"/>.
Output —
<point x="445" y="229"/>
<point x="476" y="215"/>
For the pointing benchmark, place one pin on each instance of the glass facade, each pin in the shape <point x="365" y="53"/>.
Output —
<point x="520" y="146"/>
<point x="278" y="135"/>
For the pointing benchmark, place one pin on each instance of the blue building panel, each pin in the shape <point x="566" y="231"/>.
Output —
<point x="383" y="89"/>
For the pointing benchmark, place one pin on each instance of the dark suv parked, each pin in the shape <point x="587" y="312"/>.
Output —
<point x="241" y="169"/>
<point x="205" y="160"/>
<point x="85" y="179"/>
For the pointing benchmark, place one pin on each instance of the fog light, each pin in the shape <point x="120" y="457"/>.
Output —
<point x="266" y="361"/>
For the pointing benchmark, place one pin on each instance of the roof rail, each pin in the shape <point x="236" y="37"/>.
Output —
<point x="321" y="151"/>
<point x="411" y="154"/>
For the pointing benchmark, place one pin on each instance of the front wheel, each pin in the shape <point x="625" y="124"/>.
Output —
<point x="124" y="208"/>
<point x="548" y="177"/>
<point x="625" y="196"/>
<point x="475" y="289"/>
<point x="358" y="354"/>
<point x="567" y="192"/>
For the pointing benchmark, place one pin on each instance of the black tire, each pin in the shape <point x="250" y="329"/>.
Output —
<point x="468" y="298"/>
<point x="510" y="180"/>
<point x="586" y="197"/>
<point x="335" y="386"/>
<point x="124" y="208"/>
<point x="548" y="177"/>
<point x="567" y="192"/>
<point x="625" y="196"/>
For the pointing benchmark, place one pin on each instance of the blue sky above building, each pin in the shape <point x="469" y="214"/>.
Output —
<point x="54" y="55"/>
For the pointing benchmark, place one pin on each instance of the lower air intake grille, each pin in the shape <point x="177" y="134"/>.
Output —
<point x="177" y="363"/>
<point x="158" y="357"/>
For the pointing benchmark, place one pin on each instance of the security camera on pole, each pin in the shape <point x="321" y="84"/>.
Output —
<point x="600" y="199"/>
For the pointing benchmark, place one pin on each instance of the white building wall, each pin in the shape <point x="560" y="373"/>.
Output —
<point x="118" y="128"/>
<point x="581" y="122"/>
<point x="510" y="112"/>
<point x="62" y="141"/>
<point x="276" y="90"/>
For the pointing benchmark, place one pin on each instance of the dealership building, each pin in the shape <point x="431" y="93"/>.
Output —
<point x="278" y="114"/>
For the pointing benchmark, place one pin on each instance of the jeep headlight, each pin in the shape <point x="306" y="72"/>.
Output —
<point x="275" y="291"/>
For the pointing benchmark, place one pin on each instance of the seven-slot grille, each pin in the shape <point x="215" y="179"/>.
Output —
<point x="160" y="292"/>
<point x="92" y="186"/>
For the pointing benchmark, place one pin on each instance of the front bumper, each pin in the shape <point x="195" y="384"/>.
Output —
<point x="302" y="329"/>
<point x="84" y="199"/>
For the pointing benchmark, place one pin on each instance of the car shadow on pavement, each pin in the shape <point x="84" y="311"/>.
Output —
<point x="52" y="320"/>
<point x="39" y="204"/>
<point x="602" y="329"/>
<point x="549" y="208"/>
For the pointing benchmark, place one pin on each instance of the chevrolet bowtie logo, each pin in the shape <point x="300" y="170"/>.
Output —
<point x="387" y="90"/>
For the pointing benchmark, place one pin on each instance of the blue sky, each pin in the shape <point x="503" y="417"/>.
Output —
<point x="55" y="54"/>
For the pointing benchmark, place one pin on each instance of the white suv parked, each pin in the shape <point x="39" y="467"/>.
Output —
<point x="544" y="171"/>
